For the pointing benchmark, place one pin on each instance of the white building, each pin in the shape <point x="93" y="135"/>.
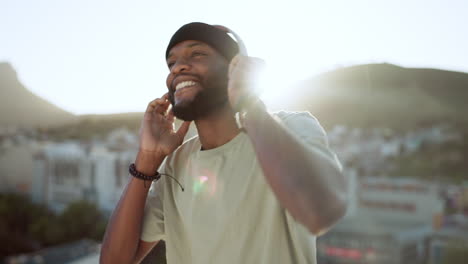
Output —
<point x="388" y="221"/>
<point x="405" y="200"/>
<point x="67" y="172"/>
<point x="110" y="174"/>
<point x="61" y="175"/>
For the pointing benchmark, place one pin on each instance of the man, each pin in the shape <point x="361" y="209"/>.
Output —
<point x="259" y="193"/>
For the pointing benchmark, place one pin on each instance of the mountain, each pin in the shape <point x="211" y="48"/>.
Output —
<point x="98" y="126"/>
<point x="384" y="95"/>
<point x="92" y="126"/>
<point x="369" y="95"/>
<point x="20" y="107"/>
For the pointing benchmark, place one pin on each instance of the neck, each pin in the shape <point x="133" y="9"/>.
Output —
<point x="217" y="128"/>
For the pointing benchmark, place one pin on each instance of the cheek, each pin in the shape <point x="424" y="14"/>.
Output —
<point x="219" y="72"/>
<point x="169" y="81"/>
<point x="168" y="84"/>
<point x="171" y="98"/>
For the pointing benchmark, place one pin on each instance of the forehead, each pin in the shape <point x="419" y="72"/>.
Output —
<point x="187" y="44"/>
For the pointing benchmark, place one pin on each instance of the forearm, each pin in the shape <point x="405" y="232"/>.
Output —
<point x="123" y="230"/>
<point x="308" y="185"/>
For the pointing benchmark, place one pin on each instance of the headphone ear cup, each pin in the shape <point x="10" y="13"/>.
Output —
<point x="240" y="43"/>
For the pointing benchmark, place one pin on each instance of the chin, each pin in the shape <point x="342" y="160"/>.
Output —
<point x="184" y="114"/>
<point x="183" y="102"/>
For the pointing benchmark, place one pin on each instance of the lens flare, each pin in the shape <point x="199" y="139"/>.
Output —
<point x="205" y="184"/>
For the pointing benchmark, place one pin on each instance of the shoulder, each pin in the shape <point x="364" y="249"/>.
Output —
<point x="189" y="145"/>
<point x="305" y="127"/>
<point x="299" y="121"/>
<point x="288" y="116"/>
<point x="182" y="152"/>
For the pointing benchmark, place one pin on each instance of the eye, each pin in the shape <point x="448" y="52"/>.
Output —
<point x="198" y="53"/>
<point x="170" y="64"/>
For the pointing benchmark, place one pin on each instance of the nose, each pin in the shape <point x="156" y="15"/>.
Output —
<point x="180" y="66"/>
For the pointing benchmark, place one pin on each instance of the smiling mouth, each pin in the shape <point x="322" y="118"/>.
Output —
<point x="185" y="84"/>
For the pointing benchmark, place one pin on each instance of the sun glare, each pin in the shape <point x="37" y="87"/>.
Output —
<point x="272" y="86"/>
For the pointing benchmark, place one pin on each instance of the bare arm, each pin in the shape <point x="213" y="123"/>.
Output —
<point x="158" y="139"/>
<point x="308" y="185"/>
<point x="121" y="241"/>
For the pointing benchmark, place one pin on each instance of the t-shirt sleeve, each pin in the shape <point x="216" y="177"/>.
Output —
<point x="153" y="218"/>
<point x="309" y="131"/>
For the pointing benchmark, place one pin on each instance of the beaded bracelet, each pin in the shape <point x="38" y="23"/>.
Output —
<point x="133" y="171"/>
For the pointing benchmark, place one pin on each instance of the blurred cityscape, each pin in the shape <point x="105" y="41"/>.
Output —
<point x="408" y="191"/>
<point x="391" y="218"/>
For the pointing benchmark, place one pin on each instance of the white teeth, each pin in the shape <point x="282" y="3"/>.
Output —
<point x="184" y="84"/>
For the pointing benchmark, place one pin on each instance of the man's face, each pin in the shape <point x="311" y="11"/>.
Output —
<point x="197" y="80"/>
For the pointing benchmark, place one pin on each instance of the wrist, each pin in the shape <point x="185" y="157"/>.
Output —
<point x="148" y="162"/>
<point x="252" y="113"/>
<point x="151" y="153"/>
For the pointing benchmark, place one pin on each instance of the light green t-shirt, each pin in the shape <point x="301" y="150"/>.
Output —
<point x="228" y="212"/>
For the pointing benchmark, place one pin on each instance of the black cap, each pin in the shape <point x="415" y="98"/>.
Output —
<point x="211" y="35"/>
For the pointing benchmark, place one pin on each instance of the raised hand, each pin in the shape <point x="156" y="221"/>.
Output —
<point x="157" y="133"/>
<point x="243" y="78"/>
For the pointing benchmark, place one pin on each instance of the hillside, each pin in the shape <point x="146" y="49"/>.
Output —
<point x="94" y="126"/>
<point x="20" y="107"/>
<point x="385" y="95"/>
<point x="89" y="127"/>
<point x="362" y="95"/>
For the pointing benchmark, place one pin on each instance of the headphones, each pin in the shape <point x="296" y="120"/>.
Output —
<point x="242" y="51"/>
<point x="240" y="43"/>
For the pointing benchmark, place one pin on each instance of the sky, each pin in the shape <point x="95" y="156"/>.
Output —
<point x="107" y="56"/>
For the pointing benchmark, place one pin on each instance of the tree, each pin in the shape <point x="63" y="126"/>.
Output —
<point x="17" y="214"/>
<point x="455" y="255"/>
<point x="26" y="226"/>
<point x="82" y="219"/>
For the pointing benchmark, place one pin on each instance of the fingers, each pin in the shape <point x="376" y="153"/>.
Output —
<point x="170" y="116"/>
<point x="183" y="129"/>
<point x="159" y="105"/>
<point x="245" y="67"/>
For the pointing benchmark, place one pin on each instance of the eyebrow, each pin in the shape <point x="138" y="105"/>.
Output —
<point x="189" y="46"/>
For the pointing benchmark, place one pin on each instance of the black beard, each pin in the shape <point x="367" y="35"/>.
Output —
<point x="213" y="96"/>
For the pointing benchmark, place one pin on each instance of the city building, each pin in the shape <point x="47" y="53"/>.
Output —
<point x="447" y="239"/>
<point x="390" y="221"/>
<point x="72" y="171"/>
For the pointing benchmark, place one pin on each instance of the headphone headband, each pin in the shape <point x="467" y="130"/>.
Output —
<point x="240" y="43"/>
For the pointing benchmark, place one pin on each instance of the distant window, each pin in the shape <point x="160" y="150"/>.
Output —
<point x="121" y="172"/>
<point x="66" y="172"/>
<point x="118" y="181"/>
<point x="93" y="175"/>
<point x="400" y="206"/>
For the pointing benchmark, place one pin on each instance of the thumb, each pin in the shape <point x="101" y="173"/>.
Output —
<point x="183" y="129"/>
